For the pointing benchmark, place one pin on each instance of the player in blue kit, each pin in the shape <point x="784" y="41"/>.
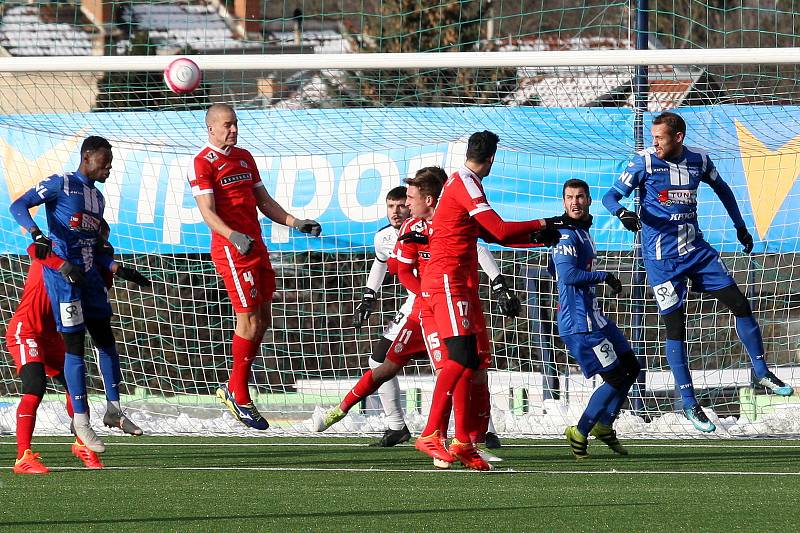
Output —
<point x="591" y="338"/>
<point x="668" y="174"/>
<point x="74" y="210"/>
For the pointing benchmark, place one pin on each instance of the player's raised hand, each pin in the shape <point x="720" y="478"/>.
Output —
<point x="629" y="219"/>
<point x="364" y="309"/>
<point x="510" y="305"/>
<point x="242" y="242"/>
<point x="414" y="236"/>
<point x="312" y="227"/>
<point x="546" y="237"/>
<point x="559" y="222"/>
<point x="745" y="238"/>
<point x="131" y="274"/>
<point x="44" y="246"/>
<point x="613" y="282"/>
<point x="73" y="274"/>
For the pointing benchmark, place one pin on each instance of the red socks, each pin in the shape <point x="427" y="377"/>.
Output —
<point x="461" y="406"/>
<point x="443" y="395"/>
<point x="26" y="421"/>
<point x="365" y="386"/>
<point x="244" y="352"/>
<point x="479" y="405"/>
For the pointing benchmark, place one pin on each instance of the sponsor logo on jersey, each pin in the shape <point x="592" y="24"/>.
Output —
<point x="682" y="216"/>
<point x="425" y="255"/>
<point x="660" y="169"/>
<point x="678" y="197"/>
<point x="228" y="180"/>
<point x="84" y="222"/>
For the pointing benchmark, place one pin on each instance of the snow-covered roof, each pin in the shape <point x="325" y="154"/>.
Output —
<point x="25" y="32"/>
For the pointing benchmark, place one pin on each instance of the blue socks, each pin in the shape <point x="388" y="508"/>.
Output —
<point x="678" y="362"/>
<point x="108" y="361"/>
<point x="750" y="335"/>
<point x="75" y="376"/>
<point x="602" y="397"/>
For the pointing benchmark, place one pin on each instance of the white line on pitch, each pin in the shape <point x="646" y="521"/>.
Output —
<point x="434" y="471"/>
<point x="713" y="444"/>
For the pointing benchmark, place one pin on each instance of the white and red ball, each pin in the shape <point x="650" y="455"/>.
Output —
<point x="183" y="76"/>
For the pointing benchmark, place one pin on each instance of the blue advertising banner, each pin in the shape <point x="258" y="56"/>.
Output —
<point x="337" y="165"/>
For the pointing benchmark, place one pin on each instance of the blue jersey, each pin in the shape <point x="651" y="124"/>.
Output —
<point x="74" y="209"/>
<point x="571" y="265"/>
<point x="669" y="199"/>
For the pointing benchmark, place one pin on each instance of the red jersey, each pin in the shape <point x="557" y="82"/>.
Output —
<point x="34" y="314"/>
<point x="453" y="243"/>
<point x="412" y="255"/>
<point x="230" y="175"/>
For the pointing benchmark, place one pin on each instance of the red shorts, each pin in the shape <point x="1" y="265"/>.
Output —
<point x="249" y="279"/>
<point x="459" y="313"/>
<point x="46" y="348"/>
<point x="415" y="339"/>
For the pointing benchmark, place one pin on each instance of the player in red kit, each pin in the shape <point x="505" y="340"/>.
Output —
<point x="450" y="288"/>
<point x="38" y="351"/>
<point x="228" y="190"/>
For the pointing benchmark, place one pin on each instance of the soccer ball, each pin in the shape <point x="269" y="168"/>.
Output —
<point x="182" y="76"/>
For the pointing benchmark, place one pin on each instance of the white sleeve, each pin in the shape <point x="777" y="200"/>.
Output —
<point x="487" y="262"/>
<point x="380" y="251"/>
<point x="376" y="274"/>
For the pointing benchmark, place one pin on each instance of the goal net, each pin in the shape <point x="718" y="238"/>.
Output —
<point x="332" y="134"/>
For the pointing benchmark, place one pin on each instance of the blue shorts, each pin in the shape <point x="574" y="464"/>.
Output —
<point x="72" y="304"/>
<point x="667" y="277"/>
<point x="597" y="351"/>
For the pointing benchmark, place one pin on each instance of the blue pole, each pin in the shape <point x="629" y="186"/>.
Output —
<point x="640" y="87"/>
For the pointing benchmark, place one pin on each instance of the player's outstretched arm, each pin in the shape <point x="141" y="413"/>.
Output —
<point x="273" y="211"/>
<point x="565" y="262"/>
<point x="628" y="218"/>
<point x="728" y="199"/>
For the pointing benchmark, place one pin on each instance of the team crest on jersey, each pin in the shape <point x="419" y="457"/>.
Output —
<point x="211" y="156"/>
<point x="678" y="197"/>
<point x="253" y="292"/>
<point x="465" y="323"/>
<point x="437" y="355"/>
<point x="398" y="347"/>
<point x="418" y="226"/>
<point x="243" y="163"/>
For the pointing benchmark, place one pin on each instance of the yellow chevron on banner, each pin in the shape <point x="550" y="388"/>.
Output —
<point x="21" y="173"/>
<point x="770" y="175"/>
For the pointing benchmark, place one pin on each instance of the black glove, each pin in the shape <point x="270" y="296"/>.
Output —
<point x="509" y="303"/>
<point x="73" y="274"/>
<point x="242" y="242"/>
<point x="559" y="222"/>
<point x="613" y="282"/>
<point x="745" y="238"/>
<point x="311" y="227"/>
<point x="414" y="236"/>
<point x="547" y="237"/>
<point x="629" y="219"/>
<point x="103" y="247"/>
<point x="44" y="246"/>
<point x="364" y="309"/>
<point x="131" y="274"/>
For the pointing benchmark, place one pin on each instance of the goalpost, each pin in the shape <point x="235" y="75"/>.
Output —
<point x="328" y="149"/>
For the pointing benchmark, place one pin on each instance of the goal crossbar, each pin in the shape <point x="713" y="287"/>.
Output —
<point x="578" y="58"/>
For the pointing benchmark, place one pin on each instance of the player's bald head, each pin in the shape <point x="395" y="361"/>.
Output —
<point x="218" y="111"/>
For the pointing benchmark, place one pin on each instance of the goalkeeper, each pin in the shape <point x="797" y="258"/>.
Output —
<point x="669" y="174"/>
<point x="591" y="338"/>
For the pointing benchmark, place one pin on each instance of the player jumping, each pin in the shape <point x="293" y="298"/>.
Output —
<point x="669" y="174"/>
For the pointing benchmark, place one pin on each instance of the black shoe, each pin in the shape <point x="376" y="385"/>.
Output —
<point x="393" y="437"/>
<point x="492" y="441"/>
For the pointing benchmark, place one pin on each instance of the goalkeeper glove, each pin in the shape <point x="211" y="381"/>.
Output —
<point x="73" y="274"/>
<point x="613" y="282"/>
<point x="414" y="236"/>
<point x="745" y="238"/>
<point x="559" y="222"/>
<point x="131" y="274"/>
<point x="509" y="303"/>
<point x="311" y="227"/>
<point x="629" y="219"/>
<point x="546" y="237"/>
<point x="103" y="247"/>
<point x="242" y="242"/>
<point x="44" y="246"/>
<point x="364" y="309"/>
